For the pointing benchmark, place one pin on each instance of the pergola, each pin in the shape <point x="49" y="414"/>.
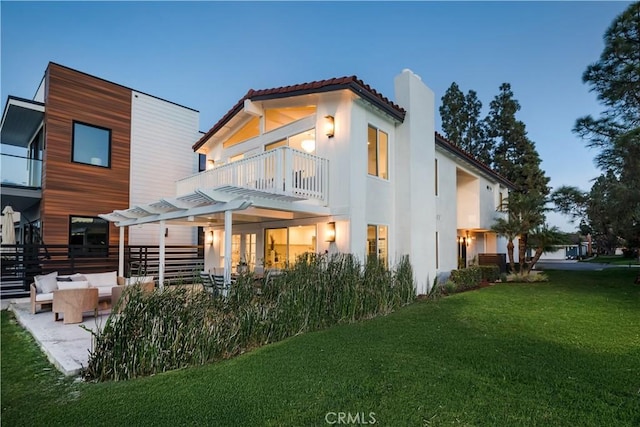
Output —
<point x="208" y="207"/>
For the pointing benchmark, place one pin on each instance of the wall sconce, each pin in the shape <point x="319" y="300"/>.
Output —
<point x="331" y="232"/>
<point x="210" y="163"/>
<point x="210" y="237"/>
<point x="329" y="126"/>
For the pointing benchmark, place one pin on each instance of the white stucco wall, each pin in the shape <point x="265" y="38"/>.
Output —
<point x="415" y="230"/>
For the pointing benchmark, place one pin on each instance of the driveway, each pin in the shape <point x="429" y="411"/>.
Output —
<point x="571" y="265"/>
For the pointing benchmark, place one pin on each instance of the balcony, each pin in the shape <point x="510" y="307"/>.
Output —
<point x="19" y="171"/>
<point x="283" y="174"/>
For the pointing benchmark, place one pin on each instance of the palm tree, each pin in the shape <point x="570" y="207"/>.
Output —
<point x="544" y="239"/>
<point x="509" y="229"/>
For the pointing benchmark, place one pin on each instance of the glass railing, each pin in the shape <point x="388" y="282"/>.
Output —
<point x="20" y="171"/>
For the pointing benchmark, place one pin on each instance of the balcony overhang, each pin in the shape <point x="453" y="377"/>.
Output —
<point x="20" y="198"/>
<point x="21" y="120"/>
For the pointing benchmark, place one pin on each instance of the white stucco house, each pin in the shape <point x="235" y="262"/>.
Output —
<point x="333" y="166"/>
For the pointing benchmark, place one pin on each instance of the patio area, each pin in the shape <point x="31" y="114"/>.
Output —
<point x="66" y="346"/>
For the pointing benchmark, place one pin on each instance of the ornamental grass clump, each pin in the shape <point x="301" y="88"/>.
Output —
<point x="174" y="328"/>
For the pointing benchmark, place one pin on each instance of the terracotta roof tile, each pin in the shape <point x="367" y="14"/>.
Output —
<point x="339" y="83"/>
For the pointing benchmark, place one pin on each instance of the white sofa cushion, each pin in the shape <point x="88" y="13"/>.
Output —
<point x="98" y="280"/>
<point x="104" y="291"/>
<point x="73" y="285"/>
<point x="44" y="297"/>
<point x="46" y="283"/>
<point x="138" y="279"/>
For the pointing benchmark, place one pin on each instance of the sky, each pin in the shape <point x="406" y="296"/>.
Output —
<point x="207" y="55"/>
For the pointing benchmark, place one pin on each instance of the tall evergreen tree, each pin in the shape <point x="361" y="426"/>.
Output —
<point x="615" y="77"/>
<point x="461" y="122"/>
<point x="452" y="112"/>
<point x="514" y="154"/>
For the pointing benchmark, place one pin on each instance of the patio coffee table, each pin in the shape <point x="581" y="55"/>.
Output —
<point x="73" y="302"/>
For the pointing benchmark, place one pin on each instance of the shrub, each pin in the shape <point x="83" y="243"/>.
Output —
<point x="174" y="328"/>
<point x="527" y="278"/>
<point x="490" y="273"/>
<point x="450" y="287"/>
<point x="467" y="278"/>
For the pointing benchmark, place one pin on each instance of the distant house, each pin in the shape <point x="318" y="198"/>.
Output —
<point x="333" y="166"/>
<point x="83" y="146"/>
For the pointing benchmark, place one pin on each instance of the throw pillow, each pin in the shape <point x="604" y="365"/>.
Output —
<point x="64" y="279"/>
<point x="73" y="285"/>
<point x="46" y="283"/>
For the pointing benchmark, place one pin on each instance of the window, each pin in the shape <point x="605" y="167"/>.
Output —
<point x="303" y="141"/>
<point x="236" y="158"/>
<point x="91" y="145"/>
<point x="202" y="162"/>
<point x="377" y="153"/>
<point x="278" y="117"/>
<point x="284" y="245"/>
<point x="377" y="238"/>
<point x="249" y="130"/>
<point x="88" y="236"/>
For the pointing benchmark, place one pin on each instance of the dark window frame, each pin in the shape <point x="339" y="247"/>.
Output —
<point x="88" y="250"/>
<point x="73" y="143"/>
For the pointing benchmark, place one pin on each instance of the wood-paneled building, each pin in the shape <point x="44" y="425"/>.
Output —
<point x="84" y="146"/>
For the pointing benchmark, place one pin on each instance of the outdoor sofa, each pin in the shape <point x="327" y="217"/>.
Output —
<point x="108" y="285"/>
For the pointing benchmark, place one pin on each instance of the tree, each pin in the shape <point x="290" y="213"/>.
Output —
<point x="514" y="154"/>
<point x="510" y="229"/>
<point x="461" y="122"/>
<point x="452" y="114"/>
<point x="543" y="239"/>
<point x="615" y="77"/>
<point x="571" y="201"/>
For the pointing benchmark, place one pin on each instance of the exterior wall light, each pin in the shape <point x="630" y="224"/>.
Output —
<point x="331" y="232"/>
<point x="210" y="237"/>
<point x="329" y="126"/>
<point x="210" y="164"/>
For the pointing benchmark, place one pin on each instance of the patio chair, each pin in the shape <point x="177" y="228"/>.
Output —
<point x="209" y="284"/>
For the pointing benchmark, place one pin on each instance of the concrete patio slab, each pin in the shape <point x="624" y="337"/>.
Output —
<point x="66" y="346"/>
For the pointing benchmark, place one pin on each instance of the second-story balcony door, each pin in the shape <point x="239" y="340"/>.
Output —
<point x="34" y="164"/>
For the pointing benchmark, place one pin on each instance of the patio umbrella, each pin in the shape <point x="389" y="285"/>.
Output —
<point x="8" y="231"/>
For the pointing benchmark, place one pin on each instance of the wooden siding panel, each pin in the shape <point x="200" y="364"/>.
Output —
<point x="74" y="188"/>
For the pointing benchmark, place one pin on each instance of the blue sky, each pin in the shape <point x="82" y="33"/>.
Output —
<point x="206" y="55"/>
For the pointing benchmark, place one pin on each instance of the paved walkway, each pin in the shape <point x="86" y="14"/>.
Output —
<point x="66" y="346"/>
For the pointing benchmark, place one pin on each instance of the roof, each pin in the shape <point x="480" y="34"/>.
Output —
<point x="454" y="149"/>
<point x="340" y="83"/>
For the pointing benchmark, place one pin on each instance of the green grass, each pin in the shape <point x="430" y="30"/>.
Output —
<point x="613" y="259"/>
<point x="565" y="352"/>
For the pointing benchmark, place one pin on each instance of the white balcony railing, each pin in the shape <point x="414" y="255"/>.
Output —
<point x="283" y="172"/>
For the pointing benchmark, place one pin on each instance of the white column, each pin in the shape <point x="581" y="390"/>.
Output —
<point x="227" y="247"/>
<point x="161" y="256"/>
<point x="121" y="253"/>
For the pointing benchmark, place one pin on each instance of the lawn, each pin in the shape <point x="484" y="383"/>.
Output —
<point x="560" y="353"/>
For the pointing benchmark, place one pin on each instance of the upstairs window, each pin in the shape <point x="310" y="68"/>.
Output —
<point x="91" y="145"/>
<point x="275" y="118"/>
<point x="303" y="141"/>
<point x="249" y="130"/>
<point x="377" y="153"/>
